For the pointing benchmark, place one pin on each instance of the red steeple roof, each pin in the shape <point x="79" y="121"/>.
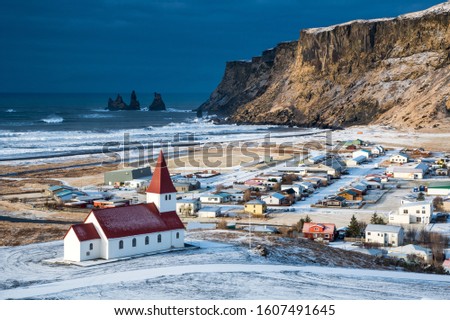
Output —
<point x="161" y="181"/>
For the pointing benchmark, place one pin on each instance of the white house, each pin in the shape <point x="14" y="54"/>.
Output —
<point x="362" y="152"/>
<point x="404" y="251"/>
<point x="296" y="187"/>
<point x="274" y="199"/>
<point x="216" y="198"/>
<point x="187" y="207"/>
<point x="439" y="188"/>
<point x="131" y="230"/>
<point x="377" y="150"/>
<point x="413" y="171"/>
<point x="413" y="212"/>
<point x="209" y="212"/>
<point x="385" y="235"/>
<point x="356" y="161"/>
<point x="399" y="158"/>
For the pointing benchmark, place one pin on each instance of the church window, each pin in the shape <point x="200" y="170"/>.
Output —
<point x="121" y="244"/>
<point x="159" y="238"/>
<point x="134" y="242"/>
<point x="178" y="235"/>
<point x="91" y="246"/>
<point x="147" y="240"/>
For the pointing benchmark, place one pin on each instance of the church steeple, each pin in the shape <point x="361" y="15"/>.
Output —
<point x="161" y="190"/>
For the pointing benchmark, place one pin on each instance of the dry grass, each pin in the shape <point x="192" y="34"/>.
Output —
<point x="17" y="234"/>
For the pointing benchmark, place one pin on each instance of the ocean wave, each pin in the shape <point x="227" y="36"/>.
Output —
<point x="178" y="110"/>
<point x="10" y="110"/>
<point x="100" y="110"/>
<point x="53" y="119"/>
<point x="96" y="116"/>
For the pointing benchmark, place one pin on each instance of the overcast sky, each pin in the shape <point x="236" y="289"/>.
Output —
<point x="151" y="45"/>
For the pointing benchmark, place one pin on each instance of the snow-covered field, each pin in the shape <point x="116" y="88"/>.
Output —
<point x="215" y="271"/>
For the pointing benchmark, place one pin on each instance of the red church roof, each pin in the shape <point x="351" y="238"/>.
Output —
<point x="136" y="219"/>
<point x="85" y="231"/>
<point x="161" y="181"/>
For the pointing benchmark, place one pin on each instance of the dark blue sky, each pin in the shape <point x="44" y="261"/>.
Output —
<point x="151" y="45"/>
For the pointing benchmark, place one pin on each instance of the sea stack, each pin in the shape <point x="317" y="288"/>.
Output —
<point x="117" y="104"/>
<point x="134" y="103"/>
<point x="157" y="104"/>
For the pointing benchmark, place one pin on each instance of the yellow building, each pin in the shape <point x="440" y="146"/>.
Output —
<point x="255" y="207"/>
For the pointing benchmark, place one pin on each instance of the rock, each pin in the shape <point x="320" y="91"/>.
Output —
<point x="134" y="103"/>
<point x="361" y="72"/>
<point x="117" y="104"/>
<point x="157" y="104"/>
<point x="199" y="113"/>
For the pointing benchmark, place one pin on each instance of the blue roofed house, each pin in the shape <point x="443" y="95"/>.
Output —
<point x="220" y="197"/>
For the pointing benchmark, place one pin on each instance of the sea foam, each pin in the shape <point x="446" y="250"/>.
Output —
<point x="53" y="119"/>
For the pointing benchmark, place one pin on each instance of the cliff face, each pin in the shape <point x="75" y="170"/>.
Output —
<point x="389" y="71"/>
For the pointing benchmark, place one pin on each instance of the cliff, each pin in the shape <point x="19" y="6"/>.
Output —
<point x="388" y="71"/>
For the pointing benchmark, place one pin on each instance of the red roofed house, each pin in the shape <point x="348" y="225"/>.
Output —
<point x="325" y="231"/>
<point x="126" y="231"/>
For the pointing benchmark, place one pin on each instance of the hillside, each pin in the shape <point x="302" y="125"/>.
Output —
<point x="215" y="271"/>
<point x="392" y="71"/>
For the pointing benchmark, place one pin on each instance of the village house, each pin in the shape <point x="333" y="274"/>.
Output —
<point x="413" y="171"/>
<point x="236" y="195"/>
<point x="377" y="150"/>
<point x="299" y="189"/>
<point x="357" y="143"/>
<point x="220" y="197"/>
<point x="255" y="207"/>
<point x="188" y="207"/>
<point x="334" y="202"/>
<point x="404" y="252"/>
<point x="319" y="231"/>
<point x="290" y="194"/>
<point x="439" y="188"/>
<point x="186" y="184"/>
<point x="132" y="230"/>
<point x="316" y="159"/>
<point x="255" y="185"/>
<point x="365" y="153"/>
<point x="307" y="186"/>
<point x="209" y="212"/>
<point x="385" y="235"/>
<point x="275" y="199"/>
<point x="372" y="184"/>
<point x="331" y="166"/>
<point x="399" y="158"/>
<point x="316" y="182"/>
<point x="413" y="212"/>
<point x="112" y="203"/>
<point x="356" y="161"/>
<point x="119" y="177"/>
<point x="350" y="195"/>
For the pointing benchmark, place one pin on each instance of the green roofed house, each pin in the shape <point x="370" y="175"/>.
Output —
<point x="439" y="188"/>
<point x="118" y="177"/>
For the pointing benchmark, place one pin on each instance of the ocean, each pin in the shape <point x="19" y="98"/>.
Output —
<point x="57" y="125"/>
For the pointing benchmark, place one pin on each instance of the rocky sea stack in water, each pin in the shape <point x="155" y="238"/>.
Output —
<point x="392" y="71"/>
<point x="157" y="104"/>
<point x="119" y="104"/>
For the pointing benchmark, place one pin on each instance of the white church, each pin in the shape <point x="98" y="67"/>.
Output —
<point x="127" y="231"/>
